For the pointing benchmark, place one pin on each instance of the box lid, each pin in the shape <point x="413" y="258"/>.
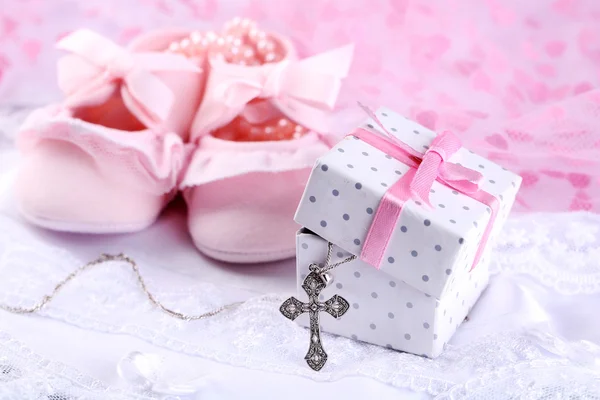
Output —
<point x="429" y="248"/>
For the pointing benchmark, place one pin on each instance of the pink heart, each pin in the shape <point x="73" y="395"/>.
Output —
<point x="428" y="119"/>
<point x="579" y="181"/>
<point x="498" y="141"/>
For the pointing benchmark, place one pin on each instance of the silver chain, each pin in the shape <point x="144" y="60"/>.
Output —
<point x="328" y="266"/>
<point x="118" y="257"/>
<point x="122" y="257"/>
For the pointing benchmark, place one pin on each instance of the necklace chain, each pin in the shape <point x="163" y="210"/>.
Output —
<point x="124" y="258"/>
<point x="118" y="257"/>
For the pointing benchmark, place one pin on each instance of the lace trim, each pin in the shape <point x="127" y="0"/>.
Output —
<point x="27" y="375"/>
<point x="255" y="336"/>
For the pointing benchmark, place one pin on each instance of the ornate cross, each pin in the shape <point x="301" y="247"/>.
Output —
<point x="337" y="306"/>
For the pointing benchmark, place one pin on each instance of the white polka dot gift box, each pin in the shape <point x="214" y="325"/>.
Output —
<point x="420" y="212"/>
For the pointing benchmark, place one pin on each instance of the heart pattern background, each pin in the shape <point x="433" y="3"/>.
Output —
<point x="517" y="81"/>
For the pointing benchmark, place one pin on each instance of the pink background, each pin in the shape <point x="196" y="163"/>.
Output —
<point x="517" y="80"/>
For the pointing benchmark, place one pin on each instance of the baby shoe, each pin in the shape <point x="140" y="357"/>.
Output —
<point x="259" y="129"/>
<point x="110" y="156"/>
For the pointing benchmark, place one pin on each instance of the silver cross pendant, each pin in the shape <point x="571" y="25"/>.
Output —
<point x="337" y="306"/>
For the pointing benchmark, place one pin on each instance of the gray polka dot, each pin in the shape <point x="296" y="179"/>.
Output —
<point x="384" y="114"/>
<point x="355" y="306"/>
<point x="312" y="199"/>
<point x="350" y="166"/>
<point x="403" y="228"/>
<point x="457" y="293"/>
<point x="466" y="208"/>
<point x="450" y="319"/>
<point x="489" y="210"/>
<point x="425" y="325"/>
<point x="358" y="185"/>
<point x="357" y="242"/>
<point x="454" y="192"/>
<point x="441" y="206"/>
<point x="452" y="221"/>
<point x="425" y="278"/>
<point x="392" y="284"/>
<point x="357" y="274"/>
<point x="427" y="295"/>
<point x="391" y="260"/>
<point x="323" y="224"/>
<point x="304" y="246"/>
<point x="369" y="210"/>
<point x="374" y="295"/>
<point x="431" y="191"/>
<point x="340" y="254"/>
<point x="427" y="222"/>
<point x="418" y="203"/>
<point x="463" y="302"/>
<point x="335" y="192"/>
<point x="409" y="305"/>
<point x="513" y="184"/>
<point x="324" y="167"/>
<point x="461" y="241"/>
<point x="492" y="181"/>
<point x="389" y="346"/>
<point x="481" y="166"/>
<point x="398" y="172"/>
<point x="407" y="336"/>
<point x="346" y="217"/>
<point x="435" y="336"/>
<point x="416" y="132"/>
<point x="414" y="253"/>
<point x="354" y="337"/>
<point x="364" y="153"/>
<point x="394" y="129"/>
<point x="383" y="184"/>
<point x="373" y="326"/>
<point x="448" y="271"/>
<point x="391" y="315"/>
<point x="370" y="126"/>
<point x="374" y="169"/>
<point x="339" y="285"/>
<point x="388" y="156"/>
<point x="341" y="150"/>
<point x="475" y="224"/>
<point x="445" y="313"/>
<point x="438" y="247"/>
<point x="501" y="197"/>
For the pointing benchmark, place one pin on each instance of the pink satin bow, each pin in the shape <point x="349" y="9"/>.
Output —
<point x="433" y="164"/>
<point x="416" y="184"/>
<point x="303" y="90"/>
<point x="97" y="67"/>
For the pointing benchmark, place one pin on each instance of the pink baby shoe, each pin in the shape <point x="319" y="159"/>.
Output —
<point x="258" y="131"/>
<point x="109" y="157"/>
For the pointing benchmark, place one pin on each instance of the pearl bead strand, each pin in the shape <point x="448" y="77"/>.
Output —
<point x="242" y="43"/>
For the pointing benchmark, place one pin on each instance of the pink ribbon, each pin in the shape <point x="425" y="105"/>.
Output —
<point x="97" y="67"/>
<point x="304" y="90"/>
<point x="416" y="184"/>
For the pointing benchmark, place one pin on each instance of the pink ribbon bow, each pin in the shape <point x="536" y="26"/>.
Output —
<point x="416" y="184"/>
<point x="97" y="67"/>
<point x="303" y="90"/>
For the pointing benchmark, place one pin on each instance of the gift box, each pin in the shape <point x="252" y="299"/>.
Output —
<point x="421" y="213"/>
<point x="384" y="310"/>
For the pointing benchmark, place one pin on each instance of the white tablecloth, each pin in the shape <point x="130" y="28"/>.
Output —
<point x="547" y="280"/>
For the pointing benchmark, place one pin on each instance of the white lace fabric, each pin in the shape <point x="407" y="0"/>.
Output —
<point x="27" y="375"/>
<point x="559" y="253"/>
